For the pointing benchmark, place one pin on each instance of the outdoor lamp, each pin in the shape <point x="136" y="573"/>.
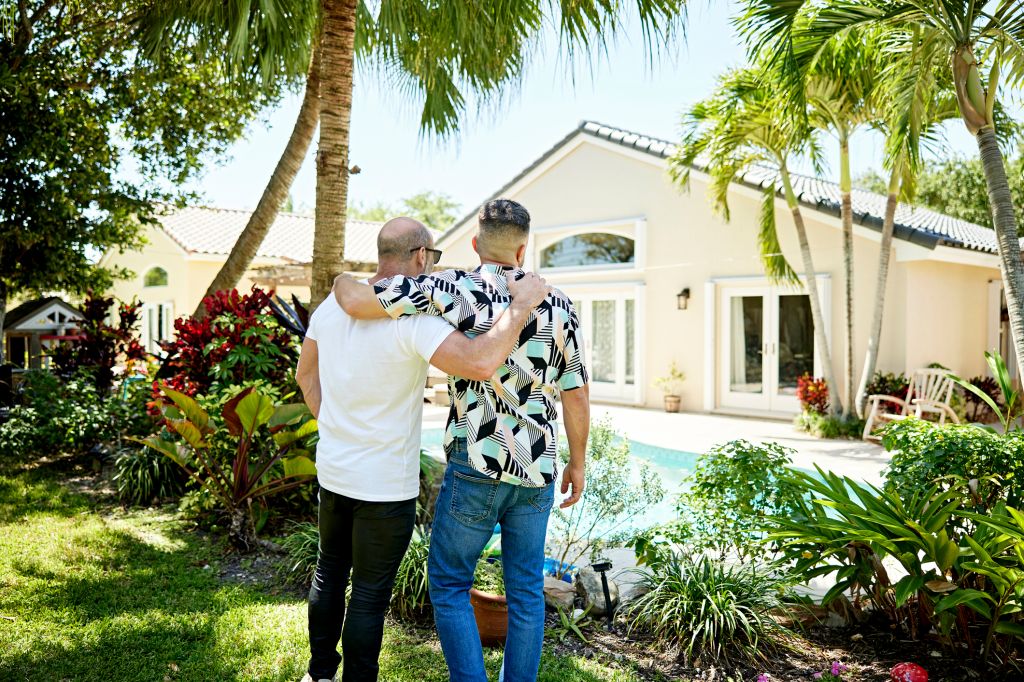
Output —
<point x="683" y="298"/>
<point x="603" y="567"/>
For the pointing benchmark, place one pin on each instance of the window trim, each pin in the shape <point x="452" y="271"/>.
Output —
<point x="634" y="228"/>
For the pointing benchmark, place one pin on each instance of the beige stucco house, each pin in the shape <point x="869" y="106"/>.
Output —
<point x="657" y="277"/>
<point x="186" y="248"/>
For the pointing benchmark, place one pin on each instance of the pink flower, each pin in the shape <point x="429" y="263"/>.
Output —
<point x="816" y="676"/>
<point x="838" y="668"/>
<point x="763" y="677"/>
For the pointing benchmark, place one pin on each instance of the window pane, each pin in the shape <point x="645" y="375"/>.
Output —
<point x="747" y="327"/>
<point x="155" y="277"/>
<point x="604" y="340"/>
<point x="597" y="248"/>
<point x="630" y="314"/>
<point x="796" y="341"/>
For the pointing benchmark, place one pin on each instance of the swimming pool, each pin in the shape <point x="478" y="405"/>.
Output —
<point x="672" y="465"/>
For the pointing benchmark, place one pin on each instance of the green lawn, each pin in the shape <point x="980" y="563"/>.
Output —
<point x="97" y="593"/>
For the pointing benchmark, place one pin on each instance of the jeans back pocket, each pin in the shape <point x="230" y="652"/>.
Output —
<point x="472" y="497"/>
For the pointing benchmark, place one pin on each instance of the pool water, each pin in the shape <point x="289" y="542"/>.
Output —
<point x="671" y="465"/>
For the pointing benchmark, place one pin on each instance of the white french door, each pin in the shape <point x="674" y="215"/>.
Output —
<point x="767" y="345"/>
<point x="609" y="323"/>
<point x="157" y="325"/>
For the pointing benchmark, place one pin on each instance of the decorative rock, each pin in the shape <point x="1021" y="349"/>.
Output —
<point x="630" y="587"/>
<point x="588" y="586"/>
<point x="558" y="594"/>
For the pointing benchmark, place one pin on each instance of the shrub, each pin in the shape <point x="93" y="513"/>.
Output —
<point x="711" y="610"/>
<point x="925" y="454"/>
<point x="734" y="488"/>
<point x="977" y="409"/>
<point x="888" y="384"/>
<point x="100" y="345"/>
<point x="239" y="341"/>
<point x="614" y="498"/>
<point x="828" y="426"/>
<point x="250" y="477"/>
<point x="410" y="599"/>
<point x="812" y="393"/>
<point x="302" y="545"/>
<point x="489" y="577"/>
<point x="142" y="476"/>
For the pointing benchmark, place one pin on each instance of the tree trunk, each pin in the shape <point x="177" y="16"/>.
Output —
<point x="337" y="66"/>
<point x="811" y="284"/>
<point x="241" y="529"/>
<point x="884" y="254"/>
<point x="846" y="213"/>
<point x="276" y="191"/>
<point x="1005" y="222"/>
<point x="3" y="317"/>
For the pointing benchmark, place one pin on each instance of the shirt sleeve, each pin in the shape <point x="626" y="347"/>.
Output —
<point x="575" y="373"/>
<point x="401" y="296"/>
<point x="427" y="334"/>
<point x="311" y="328"/>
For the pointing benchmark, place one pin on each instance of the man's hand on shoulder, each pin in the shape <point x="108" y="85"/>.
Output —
<point x="529" y="291"/>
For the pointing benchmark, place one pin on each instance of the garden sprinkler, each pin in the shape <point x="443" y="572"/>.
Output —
<point x="603" y="567"/>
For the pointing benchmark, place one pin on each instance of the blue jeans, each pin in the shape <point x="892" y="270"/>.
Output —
<point x="468" y="507"/>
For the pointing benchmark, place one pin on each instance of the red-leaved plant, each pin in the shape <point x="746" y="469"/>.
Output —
<point x="812" y="392"/>
<point x="100" y="345"/>
<point x="239" y="340"/>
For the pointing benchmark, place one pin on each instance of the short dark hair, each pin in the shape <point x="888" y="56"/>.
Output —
<point x="504" y="217"/>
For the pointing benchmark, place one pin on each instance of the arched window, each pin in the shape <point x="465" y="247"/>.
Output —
<point x="155" y="277"/>
<point x="593" y="248"/>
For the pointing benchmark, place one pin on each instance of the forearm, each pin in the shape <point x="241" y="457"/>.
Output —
<point x="480" y="357"/>
<point x="357" y="299"/>
<point x="576" y="417"/>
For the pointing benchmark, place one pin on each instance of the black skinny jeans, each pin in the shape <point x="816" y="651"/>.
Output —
<point x="369" y="539"/>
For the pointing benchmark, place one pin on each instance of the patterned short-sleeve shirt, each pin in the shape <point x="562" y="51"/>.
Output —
<point x="509" y="422"/>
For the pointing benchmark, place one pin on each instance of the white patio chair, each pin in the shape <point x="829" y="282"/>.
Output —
<point x="928" y="395"/>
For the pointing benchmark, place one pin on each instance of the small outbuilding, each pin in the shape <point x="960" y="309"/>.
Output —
<point x="36" y="326"/>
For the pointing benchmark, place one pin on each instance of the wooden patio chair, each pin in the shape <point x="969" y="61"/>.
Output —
<point x="929" y="394"/>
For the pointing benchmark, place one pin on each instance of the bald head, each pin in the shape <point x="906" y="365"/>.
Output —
<point x="397" y="245"/>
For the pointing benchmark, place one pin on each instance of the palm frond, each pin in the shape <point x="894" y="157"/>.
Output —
<point x="775" y="264"/>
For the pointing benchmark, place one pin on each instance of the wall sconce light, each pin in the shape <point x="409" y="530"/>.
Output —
<point x="683" y="298"/>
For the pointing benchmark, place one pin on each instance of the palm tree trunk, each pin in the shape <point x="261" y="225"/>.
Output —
<point x="276" y="191"/>
<point x="337" y="65"/>
<point x="884" y="254"/>
<point x="811" y="284"/>
<point x="846" y="213"/>
<point x="3" y="317"/>
<point x="1005" y="221"/>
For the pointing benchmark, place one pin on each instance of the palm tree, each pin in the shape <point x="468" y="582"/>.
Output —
<point x="840" y="91"/>
<point x="745" y="123"/>
<point x="964" y="32"/>
<point x="437" y="51"/>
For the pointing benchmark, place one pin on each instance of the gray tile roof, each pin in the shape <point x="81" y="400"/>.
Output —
<point x="914" y="224"/>
<point x="200" y="229"/>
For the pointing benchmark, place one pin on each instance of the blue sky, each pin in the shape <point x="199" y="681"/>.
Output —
<point x="621" y="89"/>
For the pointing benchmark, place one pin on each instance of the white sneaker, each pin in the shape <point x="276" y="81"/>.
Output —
<point x="307" y="678"/>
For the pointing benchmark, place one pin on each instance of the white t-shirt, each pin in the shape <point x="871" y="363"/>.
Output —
<point x="372" y="374"/>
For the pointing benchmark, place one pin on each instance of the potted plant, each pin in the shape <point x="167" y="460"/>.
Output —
<point x="671" y="384"/>
<point x="488" y="599"/>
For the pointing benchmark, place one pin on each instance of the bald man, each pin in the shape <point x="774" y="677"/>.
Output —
<point x="363" y="380"/>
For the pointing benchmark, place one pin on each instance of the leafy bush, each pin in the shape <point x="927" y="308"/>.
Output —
<point x="711" y="610"/>
<point x="977" y="409"/>
<point x="100" y="345"/>
<point x="827" y="426"/>
<point x="251" y="476"/>
<point x="925" y="454"/>
<point x="812" y="392"/>
<point x="735" y="487"/>
<point x="239" y="341"/>
<point x="888" y="384"/>
<point x="143" y="476"/>
<point x="410" y="599"/>
<point x="302" y="545"/>
<point x="613" y="499"/>
<point x="849" y="530"/>
<point x="489" y="577"/>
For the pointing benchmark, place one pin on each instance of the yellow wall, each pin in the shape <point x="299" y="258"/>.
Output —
<point x="687" y="246"/>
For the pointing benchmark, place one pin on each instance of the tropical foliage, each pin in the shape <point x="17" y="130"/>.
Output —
<point x="101" y="346"/>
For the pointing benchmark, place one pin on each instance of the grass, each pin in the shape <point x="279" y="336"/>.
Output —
<point x="93" y="592"/>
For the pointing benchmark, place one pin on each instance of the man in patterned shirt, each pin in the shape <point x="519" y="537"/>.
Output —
<point x="501" y="439"/>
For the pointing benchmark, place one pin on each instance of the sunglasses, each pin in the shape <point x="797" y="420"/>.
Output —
<point x="437" y="252"/>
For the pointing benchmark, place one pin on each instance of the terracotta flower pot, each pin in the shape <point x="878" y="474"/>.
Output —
<point x="672" y="403"/>
<point x="491" y="616"/>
